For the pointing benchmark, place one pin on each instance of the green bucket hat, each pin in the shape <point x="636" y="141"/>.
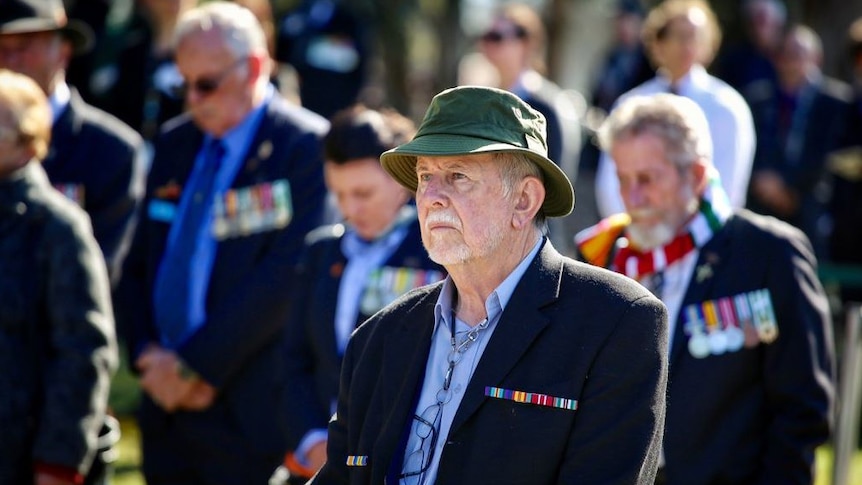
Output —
<point x="472" y="119"/>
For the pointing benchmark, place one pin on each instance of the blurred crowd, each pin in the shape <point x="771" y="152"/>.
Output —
<point x="230" y="176"/>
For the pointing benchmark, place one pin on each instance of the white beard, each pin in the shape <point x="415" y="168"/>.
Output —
<point x="444" y="250"/>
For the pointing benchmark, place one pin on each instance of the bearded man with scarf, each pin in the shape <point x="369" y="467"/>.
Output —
<point x="751" y="377"/>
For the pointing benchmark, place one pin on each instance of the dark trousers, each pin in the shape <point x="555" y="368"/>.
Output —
<point x="200" y="448"/>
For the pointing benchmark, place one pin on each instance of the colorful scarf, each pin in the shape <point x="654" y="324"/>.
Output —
<point x="596" y="244"/>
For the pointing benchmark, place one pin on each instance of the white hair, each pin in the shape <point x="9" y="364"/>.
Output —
<point x="237" y="26"/>
<point x="677" y="121"/>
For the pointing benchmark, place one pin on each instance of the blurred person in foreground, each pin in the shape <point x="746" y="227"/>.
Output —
<point x="750" y="387"/>
<point x="57" y="342"/>
<point x="522" y="366"/>
<point x="682" y="37"/>
<point x="94" y="159"/>
<point x="236" y="185"/>
<point x="350" y="270"/>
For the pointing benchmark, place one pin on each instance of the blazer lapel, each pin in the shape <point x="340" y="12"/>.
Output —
<point x="520" y="324"/>
<point x="408" y="346"/>
<point x="701" y="287"/>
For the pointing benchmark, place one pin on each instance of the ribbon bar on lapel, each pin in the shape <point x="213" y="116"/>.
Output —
<point x="357" y="460"/>
<point x="532" y="398"/>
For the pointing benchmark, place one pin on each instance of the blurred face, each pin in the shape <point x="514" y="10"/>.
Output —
<point x="41" y="56"/>
<point x="627" y="27"/>
<point x="685" y="43"/>
<point x="463" y="212"/>
<point x="795" y="61"/>
<point x="368" y="198"/>
<point x="659" y="199"/>
<point x="218" y="87"/>
<point x="503" y="47"/>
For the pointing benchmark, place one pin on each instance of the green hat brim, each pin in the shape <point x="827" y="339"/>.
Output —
<point x="400" y="163"/>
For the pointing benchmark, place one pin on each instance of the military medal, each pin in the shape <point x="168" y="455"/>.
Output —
<point x="764" y="317"/>
<point x="698" y="343"/>
<point x="717" y="339"/>
<point x="735" y="336"/>
<point x="743" y="313"/>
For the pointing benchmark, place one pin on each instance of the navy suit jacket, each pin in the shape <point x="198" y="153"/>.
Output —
<point x="756" y="415"/>
<point x="312" y="358"/>
<point x="93" y="150"/>
<point x="237" y="349"/>
<point x="570" y="330"/>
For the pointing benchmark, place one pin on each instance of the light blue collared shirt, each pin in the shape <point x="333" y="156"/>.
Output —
<point x="236" y="143"/>
<point x="437" y="365"/>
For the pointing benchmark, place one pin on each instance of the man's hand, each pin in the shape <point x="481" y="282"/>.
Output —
<point x="770" y="189"/>
<point x="162" y="380"/>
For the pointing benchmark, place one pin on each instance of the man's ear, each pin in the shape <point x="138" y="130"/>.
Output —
<point x="700" y="175"/>
<point x="530" y="196"/>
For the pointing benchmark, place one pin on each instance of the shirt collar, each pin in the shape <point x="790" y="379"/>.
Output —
<point x="59" y="99"/>
<point x="497" y="300"/>
<point x="696" y="76"/>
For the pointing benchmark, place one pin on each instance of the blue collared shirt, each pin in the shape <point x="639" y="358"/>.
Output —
<point x="236" y="143"/>
<point x="437" y="364"/>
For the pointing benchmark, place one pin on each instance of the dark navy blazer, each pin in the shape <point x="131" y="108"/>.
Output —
<point x="754" y="415"/>
<point x="570" y="331"/>
<point x="93" y="150"/>
<point x="237" y="349"/>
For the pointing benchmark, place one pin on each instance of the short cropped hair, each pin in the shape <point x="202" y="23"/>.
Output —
<point x="677" y="121"/>
<point x="24" y="108"/>
<point x="237" y="25"/>
<point x="358" y="132"/>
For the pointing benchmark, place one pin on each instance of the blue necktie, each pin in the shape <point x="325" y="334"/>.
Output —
<point x="173" y="283"/>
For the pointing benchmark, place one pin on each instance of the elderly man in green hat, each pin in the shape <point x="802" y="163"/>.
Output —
<point x="523" y="366"/>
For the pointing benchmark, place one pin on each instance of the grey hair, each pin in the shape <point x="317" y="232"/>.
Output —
<point x="677" y="121"/>
<point x="236" y="25"/>
<point x="514" y="167"/>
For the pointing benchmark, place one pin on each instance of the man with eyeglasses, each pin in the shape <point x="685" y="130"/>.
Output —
<point x="522" y="366"/>
<point x="236" y="184"/>
<point x="94" y="159"/>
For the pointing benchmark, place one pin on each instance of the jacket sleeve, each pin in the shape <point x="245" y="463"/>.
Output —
<point x="82" y="351"/>
<point x="621" y="412"/>
<point x="798" y="368"/>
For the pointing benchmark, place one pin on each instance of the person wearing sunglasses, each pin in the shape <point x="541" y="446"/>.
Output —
<point x="515" y="45"/>
<point x="235" y="186"/>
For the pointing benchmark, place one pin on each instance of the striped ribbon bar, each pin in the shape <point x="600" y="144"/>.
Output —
<point x="357" y="460"/>
<point x="532" y="398"/>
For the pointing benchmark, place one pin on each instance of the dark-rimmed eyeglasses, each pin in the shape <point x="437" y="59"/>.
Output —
<point x="426" y="428"/>
<point x="208" y="84"/>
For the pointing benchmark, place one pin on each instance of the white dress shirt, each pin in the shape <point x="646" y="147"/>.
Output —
<point x="730" y="125"/>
